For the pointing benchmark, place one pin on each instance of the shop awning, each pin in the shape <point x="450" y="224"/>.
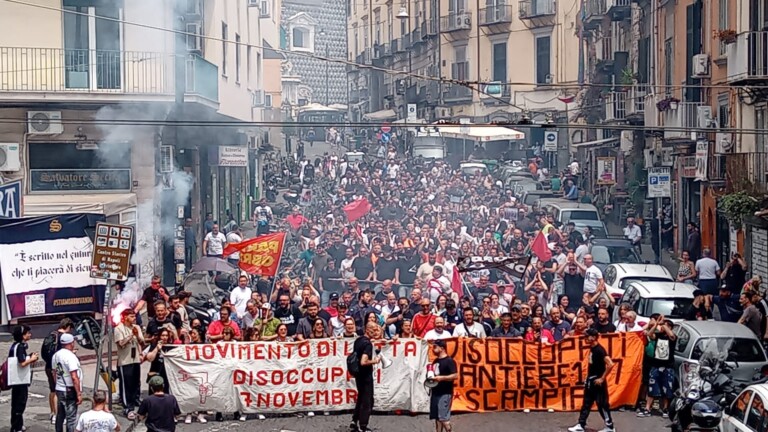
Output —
<point x="403" y="121"/>
<point x="387" y="114"/>
<point x="597" y="143"/>
<point x="106" y="204"/>
<point x="481" y="133"/>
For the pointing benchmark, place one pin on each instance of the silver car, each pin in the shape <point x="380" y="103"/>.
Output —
<point x="746" y="354"/>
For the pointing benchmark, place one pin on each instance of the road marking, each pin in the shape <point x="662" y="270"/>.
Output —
<point x="37" y="396"/>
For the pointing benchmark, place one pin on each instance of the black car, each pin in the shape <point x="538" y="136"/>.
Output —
<point x="613" y="251"/>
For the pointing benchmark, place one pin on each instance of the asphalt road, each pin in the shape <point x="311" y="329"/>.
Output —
<point x="36" y="420"/>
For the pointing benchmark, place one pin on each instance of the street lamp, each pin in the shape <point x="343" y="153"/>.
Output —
<point x="327" y="66"/>
<point x="403" y="14"/>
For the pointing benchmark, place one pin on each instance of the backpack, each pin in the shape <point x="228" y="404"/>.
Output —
<point x="4" y="372"/>
<point x="353" y="364"/>
<point x="49" y="346"/>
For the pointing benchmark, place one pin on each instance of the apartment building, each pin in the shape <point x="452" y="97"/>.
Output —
<point x="97" y="99"/>
<point x="517" y="55"/>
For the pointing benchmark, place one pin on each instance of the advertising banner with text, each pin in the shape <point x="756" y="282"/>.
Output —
<point x="494" y="375"/>
<point x="259" y="255"/>
<point x="45" y="265"/>
<point x="513" y="374"/>
<point x="272" y="377"/>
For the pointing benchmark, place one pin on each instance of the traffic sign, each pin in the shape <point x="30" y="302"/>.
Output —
<point x="386" y="129"/>
<point x="550" y="141"/>
<point x="112" y="245"/>
<point x="659" y="182"/>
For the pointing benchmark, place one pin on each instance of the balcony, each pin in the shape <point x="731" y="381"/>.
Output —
<point x="748" y="59"/>
<point x="428" y="28"/>
<point x="538" y="13"/>
<point x="495" y="93"/>
<point x="454" y="93"/>
<point x="681" y="120"/>
<point x="604" y="54"/>
<point x="747" y="169"/>
<point x="202" y="78"/>
<point x="650" y="112"/>
<point x="493" y="15"/>
<point x="619" y="10"/>
<point x="594" y="11"/>
<point x="59" y="74"/>
<point x="455" y="22"/>
<point x="416" y="36"/>
<point x="616" y="106"/>
<point x="636" y="102"/>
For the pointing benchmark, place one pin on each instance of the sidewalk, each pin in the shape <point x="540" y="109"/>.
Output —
<point x="668" y="260"/>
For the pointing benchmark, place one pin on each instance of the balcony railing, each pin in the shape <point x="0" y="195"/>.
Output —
<point x="457" y="93"/>
<point x="202" y="78"/>
<point x="616" y="106"/>
<point x="604" y="49"/>
<point x="636" y="103"/>
<point x="456" y="22"/>
<point x="428" y="28"/>
<point x="536" y="8"/>
<point x="594" y="9"/>
<point x="680" y="120"/>
<point x="56" y="70"/>
<point x="650" y="112"/>
<point x="748" y="58"/>
<point x="618" y="8"/>
<point x="499" y="14"/>
<point x="743" y="169"/>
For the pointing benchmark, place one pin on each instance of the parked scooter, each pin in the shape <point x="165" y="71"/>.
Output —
<point x="698" y="404"/>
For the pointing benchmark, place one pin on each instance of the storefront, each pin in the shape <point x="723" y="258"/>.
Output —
<point x="229" y="191"/>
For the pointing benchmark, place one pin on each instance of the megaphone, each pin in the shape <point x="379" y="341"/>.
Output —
<point x="430" y="381"/>
<point x="385" y="361"/>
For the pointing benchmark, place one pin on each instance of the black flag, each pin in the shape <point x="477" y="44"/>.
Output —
<point x="514" y="266"/>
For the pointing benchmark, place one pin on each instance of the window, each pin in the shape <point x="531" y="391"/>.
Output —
<point x="723" y="110"/>
<point x="377" y="38"/>
<point x="740" y="349"/>
<point x="543" y="60"/>
<point x="268" y="101"/>
<point x="92" y="47"/>
<point x="739" y="407"/>
<point x="673" y="308"/>
<point x="265" y="8"/>
<point x="460" y="66"/>
<point x="500" y="62"/>
<point x="761" y="123"/>
<point x="683" y="337"/>
<point x="723" y="22"/>
<point x="756" y="418"/>
<point x="248" y="65"/>
<point x="390" y="30"/>
<point x="237" y="58"/>
<point x="300" y="37"/>
<point x="224" y="38"/>
<point x="61" y="167"/>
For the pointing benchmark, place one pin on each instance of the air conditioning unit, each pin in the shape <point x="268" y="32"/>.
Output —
<point x="253" y="3"/>
<point x="463" y="21"/>
<point x="700" y="65"/>
<point x="723" y="143"/>
<point x="258" y="98"/>
<point x="194" y="37"/>
<point x="443" y="112"/>
<point x="44" y="123"/>
<point x="704" y="116"/>
<point x="10" y="159"/>
<point x="166" y="159"/>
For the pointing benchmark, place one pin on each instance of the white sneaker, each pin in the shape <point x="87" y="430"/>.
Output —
<point x="261" y="417"/>
<point x="188" y="419"/>
<point x="242" y="418"/>
<point x="310" y="414"/>
<point x="577" y="428"/>
<point x="608" y="429"/>
<point x="201" y="418"/>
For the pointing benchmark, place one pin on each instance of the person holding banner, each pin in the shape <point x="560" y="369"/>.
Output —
<point x="440" y="399"/>
<point x="364" y="378"/>
<point x="596" y="386"/>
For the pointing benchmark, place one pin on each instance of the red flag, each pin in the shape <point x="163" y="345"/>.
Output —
<point x="456" y="283"/>
<point x="357" y="209"/>
<point x="259" y="255"/>
<point x="540" y="248"/>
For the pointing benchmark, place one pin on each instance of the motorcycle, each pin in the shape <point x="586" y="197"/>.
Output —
<point x="699" y="402"/>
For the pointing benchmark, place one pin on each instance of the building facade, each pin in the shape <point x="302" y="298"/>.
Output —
<point x="312" y="31"/>
<point x="130" y="110"/>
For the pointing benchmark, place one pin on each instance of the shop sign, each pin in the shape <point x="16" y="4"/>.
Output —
<point x="688" y="166"/>
<point x="47" y="180"/>
<point x="231" y="156"/>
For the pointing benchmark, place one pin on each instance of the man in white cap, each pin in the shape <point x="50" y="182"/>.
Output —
<point x="68" y="373"/>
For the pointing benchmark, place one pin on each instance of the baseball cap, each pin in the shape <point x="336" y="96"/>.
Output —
<point x="334" y="296"/>
<point x="156" y="381"/>
<point x="66" y="339"/>
<point x="266" y="306"/>
<point x="439" y="342"/>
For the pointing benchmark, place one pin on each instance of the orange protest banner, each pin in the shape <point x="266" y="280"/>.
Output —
<point x="259" y="255"/>
<point x="512" y="374"/>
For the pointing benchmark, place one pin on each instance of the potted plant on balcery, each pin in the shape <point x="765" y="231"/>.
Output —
<point x="667" y="104"/>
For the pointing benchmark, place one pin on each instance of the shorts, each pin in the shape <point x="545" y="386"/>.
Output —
<point x="51" y="380"/>
<point x="440" y="407"/>
<point x="661" y="383"/>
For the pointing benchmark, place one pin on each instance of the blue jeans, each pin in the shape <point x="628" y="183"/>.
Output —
<point x="66" y="408"/>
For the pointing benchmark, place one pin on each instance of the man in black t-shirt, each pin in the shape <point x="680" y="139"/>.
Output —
<point x="596" y="386"/>
<point x="288" y="314"/>
<point x="603" y="323"/>
<point x="661" y="378"/>
<point x="159" y="410"/>
<point x="364" y="378"/>
<point x="152" y="295"/>
<point x="442" y="394"/>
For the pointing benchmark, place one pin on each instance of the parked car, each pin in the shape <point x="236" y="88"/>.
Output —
<point x="531" y="197"/>
<point x="473" y="168"/>
<point x="613" y="251"/>
<point x="745" y="356"/>
<point x="617" y="277"/>
<point x="565" y="210"/>
<point x="671" y="299"/>
<point x="599" y="230"/>
<point x="748" y="413"/>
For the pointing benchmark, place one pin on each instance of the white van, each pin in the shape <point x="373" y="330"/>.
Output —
<point x="565" y="211"/>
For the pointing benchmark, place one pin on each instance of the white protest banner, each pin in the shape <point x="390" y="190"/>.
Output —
<point x="260" y="377"/>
